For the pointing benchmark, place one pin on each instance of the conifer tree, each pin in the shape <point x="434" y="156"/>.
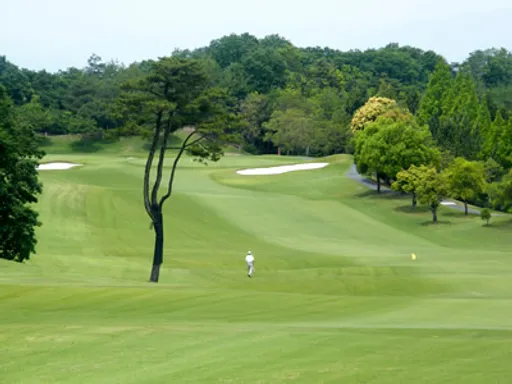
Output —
<point x="504" y="151"/>
<point x="431" y="105"/>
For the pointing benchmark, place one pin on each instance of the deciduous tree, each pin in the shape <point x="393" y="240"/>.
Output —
<point x="485" y="214"/>
<point x="466" y="180"/>
<point x="19" y="184"/>
<point x="390" y="144"/>
<point x="370" y="111"/>
<point x="431" y="187"/>
<point x="407" y="181"/>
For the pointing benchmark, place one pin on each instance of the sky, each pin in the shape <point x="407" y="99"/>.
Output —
<point x="57" y="34"/>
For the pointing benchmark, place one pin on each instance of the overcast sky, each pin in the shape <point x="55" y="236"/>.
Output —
<point x="56" y="34"/>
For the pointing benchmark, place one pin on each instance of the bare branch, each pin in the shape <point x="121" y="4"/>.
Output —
<point x="176" y="160"/>
<point x="149" y="163"/>
<point x="159" y="171"/>
<point x="195" y="141"/>
<point x="189" y="144"/>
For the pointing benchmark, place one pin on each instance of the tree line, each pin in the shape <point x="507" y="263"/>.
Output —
<point x="455" y="145"/>
<point x="411" y="119"/>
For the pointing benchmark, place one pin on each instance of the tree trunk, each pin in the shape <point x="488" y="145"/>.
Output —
<point x="414" y="202"/>
<point x="466" y="208"/>
<point x="158" y="254"/>
<point x="434" y="213"/>
<point x="378" y="183"/>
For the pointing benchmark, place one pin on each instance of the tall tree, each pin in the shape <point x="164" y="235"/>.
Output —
<point x="483" y="126"/>
<point x="466" y="180"/>
<point x="493" y="137"/>
<point x="459" y="131"/>
<point x="500" y="193"/>
<point x="504" y="152"/>
<point x="431" y="105"/>
<point x="20" y="184"/>
<point x="255" y="111"/>
<point x="174" y="95"/>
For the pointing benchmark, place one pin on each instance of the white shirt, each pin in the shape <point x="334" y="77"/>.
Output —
<point x="249" y="259"/>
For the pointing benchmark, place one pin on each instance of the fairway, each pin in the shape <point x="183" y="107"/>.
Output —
<point x="335" y="297"/>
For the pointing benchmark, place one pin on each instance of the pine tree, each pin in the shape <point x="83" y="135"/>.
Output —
<point x="438" y="91"/>
<point x="458" y="129"/>
<point x="483" y="125"/>
<point x="494" y="137"/>
<point x="504" y="151"/>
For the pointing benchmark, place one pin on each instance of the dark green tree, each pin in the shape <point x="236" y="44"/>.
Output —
<point x="431" y="104"/>
<point x="255" y="110"/>
<point x="175" y="94"/>
<point x="19" y="186"/>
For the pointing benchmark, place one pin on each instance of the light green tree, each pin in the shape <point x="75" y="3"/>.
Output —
<point x="466" y="180"/>
<point x="431" y="105"/>
<point x="387" y="146"/>
<point x="485" y="214"/>
<point x="370" y="111"/>
<point x="431" y="187"/>
<point x="407" y="181"/>
<point x="500" y="193"/>
<point x="493" y="137"/>
<point x="504" y="152"/>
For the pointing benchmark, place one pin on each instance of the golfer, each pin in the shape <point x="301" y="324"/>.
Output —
<point x="249" y="259"/>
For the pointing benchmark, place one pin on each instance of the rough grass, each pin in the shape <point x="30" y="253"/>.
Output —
<point x="336" y="297"/>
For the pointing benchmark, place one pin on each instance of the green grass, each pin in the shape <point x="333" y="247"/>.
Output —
<point x="335" y="299"/>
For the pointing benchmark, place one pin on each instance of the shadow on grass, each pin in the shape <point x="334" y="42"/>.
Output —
<point x="460" y="214"/>
<point x="439" y="223"/>
<point x="420" y="209"/>
<point x="505" y="224"/>
<point x="387" y="194"/>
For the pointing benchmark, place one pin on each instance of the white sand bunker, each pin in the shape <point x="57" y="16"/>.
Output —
<point x="281" y="169"/>
<point x="56" y="166"/>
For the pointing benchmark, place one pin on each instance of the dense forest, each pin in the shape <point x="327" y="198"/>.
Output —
<point x="303" y="101"/>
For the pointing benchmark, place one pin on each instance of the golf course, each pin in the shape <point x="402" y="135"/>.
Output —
<point x="336" y="297"/>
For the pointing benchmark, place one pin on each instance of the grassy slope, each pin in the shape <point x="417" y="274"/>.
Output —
<point x="335" y="298"/>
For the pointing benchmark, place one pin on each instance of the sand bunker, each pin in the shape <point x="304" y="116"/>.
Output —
<point x="282" y="169"/>
<point x="447" y="203"/>
<point x="56" y="166"/>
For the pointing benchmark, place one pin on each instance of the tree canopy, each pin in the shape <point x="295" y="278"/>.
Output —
<point x="309" y="101"/>
<point x="19" y="186"/>
<point x="175" y="94"/>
